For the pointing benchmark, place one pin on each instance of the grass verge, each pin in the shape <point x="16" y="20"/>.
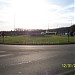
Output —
<point x="37" y="40"/>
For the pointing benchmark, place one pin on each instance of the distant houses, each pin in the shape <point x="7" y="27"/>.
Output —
<point x="47" y="33"/>
<point x="64" y="31"/>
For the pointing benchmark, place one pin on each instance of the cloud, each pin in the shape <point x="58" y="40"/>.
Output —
<point x="61" y="16"/>
<point x="65" y="8"/>
<point x="34" y="13"/>
<point x="3" y="4"/>
<point x="2" y="21"/>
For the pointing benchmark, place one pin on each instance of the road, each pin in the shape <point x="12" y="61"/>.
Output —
<point x="37" y="59"/>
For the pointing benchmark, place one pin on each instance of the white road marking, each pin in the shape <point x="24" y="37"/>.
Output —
<point x="66" y="73"/>
<point x="31" y="58"/>
<point x="2" y="51"/>
<point x="5" y="55"/>
<point x="19" y="72"/>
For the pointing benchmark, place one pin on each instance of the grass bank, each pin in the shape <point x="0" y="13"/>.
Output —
<point x="38" y="40"/>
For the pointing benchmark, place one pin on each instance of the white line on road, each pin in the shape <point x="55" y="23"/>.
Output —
<point x="2" y="51"/>
<point x="5" y="55"/>
<point x="66" y="73"/>
<point x="32" y="58"/>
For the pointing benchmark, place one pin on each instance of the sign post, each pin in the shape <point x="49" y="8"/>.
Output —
<point x="68" y="36"/>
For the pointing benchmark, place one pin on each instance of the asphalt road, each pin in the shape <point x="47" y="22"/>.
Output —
<point x="37" y="59"/>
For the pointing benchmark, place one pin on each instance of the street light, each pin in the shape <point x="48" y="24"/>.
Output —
<point x="14" y="21"/>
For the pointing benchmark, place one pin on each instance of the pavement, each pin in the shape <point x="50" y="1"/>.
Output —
<point x="37" y="59"/>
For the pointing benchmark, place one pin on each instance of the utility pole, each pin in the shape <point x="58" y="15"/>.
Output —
<point x="14" y="22"/>
<point x="14" y="25"/>
<point x="48" y="26"/>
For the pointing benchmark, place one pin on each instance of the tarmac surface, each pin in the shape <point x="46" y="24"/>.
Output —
<point x="37" y="59"/>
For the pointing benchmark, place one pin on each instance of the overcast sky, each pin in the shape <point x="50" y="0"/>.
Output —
<point x="36" y="14"/>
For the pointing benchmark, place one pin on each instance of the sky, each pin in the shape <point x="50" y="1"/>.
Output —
<point x="36" y="14"/>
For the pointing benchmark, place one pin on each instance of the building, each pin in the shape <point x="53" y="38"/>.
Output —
<point x="47" y="33"/>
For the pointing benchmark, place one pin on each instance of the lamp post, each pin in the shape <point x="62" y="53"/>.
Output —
<point x="14" y="25"/>
<point x="14" y="21"/>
